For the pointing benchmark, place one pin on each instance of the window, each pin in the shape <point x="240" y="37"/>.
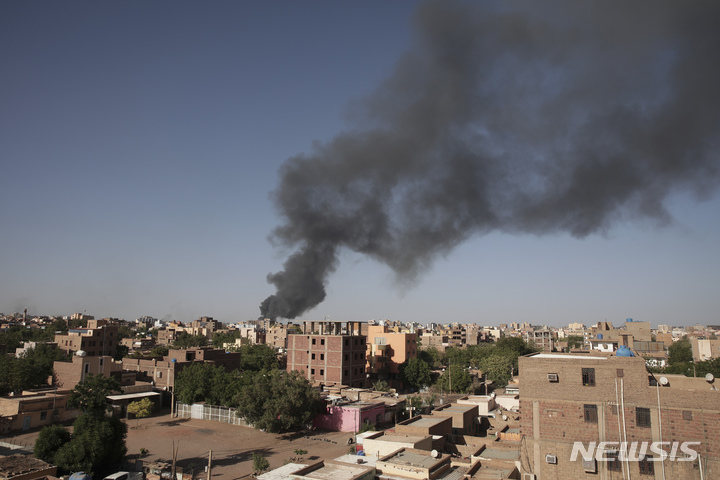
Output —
<point x="312" y="371"/>
<point x="647" y="466"/>
<point x="313" y="341"/>
<point x="642" y="417"/>
<point x="159" y="374"/>
<point x="347" y="357"/>
<point x="590" y="413"/>
<point x="613" y="463"/>
<point x="322" y="341"/>
<point x="43" y="415"/>
<point x="313" y="356"/>
<point x="322" y="356"/>
<point x="588" y="377"/>
<point x="322" y="372"/>
<point x="620" y="373"/>
<point x="101" y="362"/>
<point x="687" y="415"/>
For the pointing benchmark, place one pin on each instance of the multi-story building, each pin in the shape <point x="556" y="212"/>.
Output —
<point x="543" y="339"/>
<point x="704" y="349"/>
<point x="69" y="374"/>
<point x="578" y="401"/>
<point x="99" y="338"/>
<point x="387" y="350"/>
<point x="329" y="353"/>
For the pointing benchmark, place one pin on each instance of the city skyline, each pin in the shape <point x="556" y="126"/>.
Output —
<point x="142" y="146"/>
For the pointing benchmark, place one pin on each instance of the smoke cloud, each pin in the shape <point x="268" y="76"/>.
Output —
<point x="523" y="118"/>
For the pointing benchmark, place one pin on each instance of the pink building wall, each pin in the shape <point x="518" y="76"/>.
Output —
<point x="347" y="418"/>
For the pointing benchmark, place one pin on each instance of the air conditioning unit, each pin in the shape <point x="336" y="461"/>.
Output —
<point x="529" y="476"/>
<point x="552" y="459"/>
<point x="590" y="466"/>
<point x="552" y="377"/>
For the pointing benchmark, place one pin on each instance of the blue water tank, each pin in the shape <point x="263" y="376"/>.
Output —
<point x="628" y="320"/>
<point x="174" y="360"/>
<point x="624" y="351"/>
<point x="599" y="336"/>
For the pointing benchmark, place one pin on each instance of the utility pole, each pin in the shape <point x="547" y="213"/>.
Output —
<point x="210" y="466"/>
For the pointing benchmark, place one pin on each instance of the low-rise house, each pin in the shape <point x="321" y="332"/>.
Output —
<point x="25" y="467"/>
<point x="342" y="416"/>
<point x="33" y="409"/>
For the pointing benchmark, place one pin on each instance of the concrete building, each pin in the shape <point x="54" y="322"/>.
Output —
<point x="350" y="417"/>
<point x="329" y="353"/>
<point x="69" y="374"/>
<point x="25" y="467"/>
<point x="33" y="410"/>
<point x="463" y="416"/>
<point x="380" y="444"/>
<point x="387" y="350"/>
<point x="595" y="397"/>
<point x="100" y="338"/>
<point x="704" y="349"/>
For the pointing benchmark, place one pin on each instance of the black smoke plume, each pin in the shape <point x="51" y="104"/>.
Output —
<point x="531" y="117"/>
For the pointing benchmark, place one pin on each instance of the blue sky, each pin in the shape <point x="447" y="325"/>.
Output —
<point x="140" y="143"/>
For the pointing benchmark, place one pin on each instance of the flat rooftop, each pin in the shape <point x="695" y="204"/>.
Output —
<point x="425" y="422"/>
<point x="499" y="454"/>
<point x="337" y="471"/>
<point x="412" y="459"/>
<point x="568" y="356"/>
<point x="400" y="438"/>
<point x="282" y="473"/>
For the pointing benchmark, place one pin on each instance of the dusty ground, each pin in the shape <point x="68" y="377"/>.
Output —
<point x="232" y="446"/>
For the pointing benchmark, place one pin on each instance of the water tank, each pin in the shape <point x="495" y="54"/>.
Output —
<point x="174" y="360"/>
<point x="81" y="353"/>
<point x="80" y="476"/>
<point x="629" y="320"/>
<point x="599" y="336"/>
<point x="624" y="351"/>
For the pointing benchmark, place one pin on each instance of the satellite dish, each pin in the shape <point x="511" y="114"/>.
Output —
<point x="492" y="395"/>
<point x="434" y="454"/>
<point x="710" y="377"/>
<point x="664" y="381"/>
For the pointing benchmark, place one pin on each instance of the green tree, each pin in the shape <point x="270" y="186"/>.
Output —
<point x="49" y="441"/>
<point x="121" y="352"/>
<point x="90" y="396"/>
<point x="258" y="357"/>
<point x="141" y="409"/>
<point x="185" y="340"/>
<point x="381" y="386"/>
<point x="221" y="337"/>
<point x="260" y="463"/>
<point x="457" y="356"/>
<point x="416" y="404"/>
<point x="277" y="401"/>
<point x="431" y="356"/>
<point x="455" y="379"/>
<point x="498" y="368"/>
<point x="97" y="443"/>
<point x="680" y="352"/>
<point x="415" y="372"/>
<point x="575" y="341"/>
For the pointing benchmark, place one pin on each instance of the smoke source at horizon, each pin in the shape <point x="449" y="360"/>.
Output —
<point x="557" y="117"/>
